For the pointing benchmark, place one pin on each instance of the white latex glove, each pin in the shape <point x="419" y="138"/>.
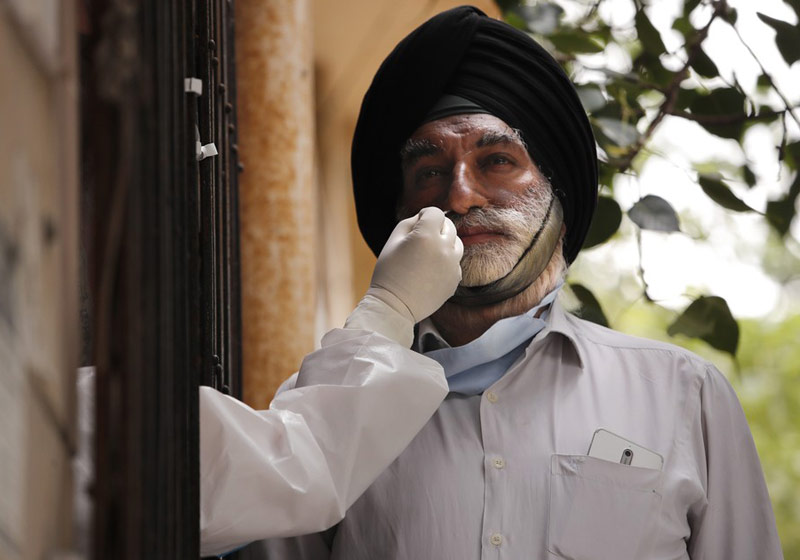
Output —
<point x="419" y="266"/>
<point x="417" y="271"/>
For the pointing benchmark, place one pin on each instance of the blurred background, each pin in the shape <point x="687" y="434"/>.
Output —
<point x="176" y="210"/>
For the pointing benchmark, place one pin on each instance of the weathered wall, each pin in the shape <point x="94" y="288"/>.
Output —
<point x="276" y="131"/>
<point x="38" y="278"/>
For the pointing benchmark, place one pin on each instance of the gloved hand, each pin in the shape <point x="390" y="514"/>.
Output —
<point x="417" y="271"/>
<point x="419" y="266"/>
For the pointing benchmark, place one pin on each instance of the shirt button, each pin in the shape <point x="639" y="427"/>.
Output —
<point x="491" y="396"/>
<point x="496" y="539"/>
<point x="498" y="463"/>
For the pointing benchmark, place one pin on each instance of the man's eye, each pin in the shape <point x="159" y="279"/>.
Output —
<point x="498" y="159"/>
<point x="428" y="173"/>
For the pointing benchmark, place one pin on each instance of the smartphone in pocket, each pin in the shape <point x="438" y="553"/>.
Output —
<point x="611" y="447"/>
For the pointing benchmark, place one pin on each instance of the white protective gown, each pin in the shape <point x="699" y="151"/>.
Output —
<point x="297" y="467"/>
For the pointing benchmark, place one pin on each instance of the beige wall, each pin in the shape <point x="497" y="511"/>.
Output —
<point x="38" y="278"/>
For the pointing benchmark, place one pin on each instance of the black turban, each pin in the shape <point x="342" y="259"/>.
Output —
<point x="464" y="52"/>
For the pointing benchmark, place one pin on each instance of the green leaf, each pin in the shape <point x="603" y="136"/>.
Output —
<point x="689" y="6"/>
<point x="612" y="110"/>
<point x="627" y="95"/>
<point x="649" y="67"/>
<point x="619" y="132"/>
<point x="722" y="102"/>
<point x="709" y="318"/>
<point x="575" y="42"/>
<point x="590" y="308"/>
<point x="787" y="38"/>
<point x="605" y="222"/>
<point x="792" y="155"/>
<point x="703" y="65"/>
<point x="764" y="81"/>
<point x="685" y="98"/>
<point x="655" y="214"/>
<point x="591" y="97"/>
<point x="542" y="18"/>
<point x="795" y="5"/>
<point x="730" y="15"/>
<point x="606" y="175"/>
<point x="515" y="20"/>
<point x="605" y="142"/>
<point x="648" y="35"/>
<point x="505" y="5"/>
<point x="683" y="26"/>
<point x="781" y="212"/>
<point x="720" y="193"/>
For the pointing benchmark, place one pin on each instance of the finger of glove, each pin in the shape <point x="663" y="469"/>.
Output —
<point x="430" y="220"/>
<point x="449" y="231"/>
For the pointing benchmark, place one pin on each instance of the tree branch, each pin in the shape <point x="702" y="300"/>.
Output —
<point x="724" y="119"/>
<point x="671" y="93"/>
<point x="766" y="74"/>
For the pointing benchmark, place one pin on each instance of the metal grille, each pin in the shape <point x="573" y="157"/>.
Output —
<point x="218" y="194"/>
<point x="163" y="269"/>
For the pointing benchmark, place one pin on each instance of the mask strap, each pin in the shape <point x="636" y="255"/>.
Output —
<point x="527" y="269"/>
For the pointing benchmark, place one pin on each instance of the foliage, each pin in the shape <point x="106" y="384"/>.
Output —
<point x="627" y="108"/>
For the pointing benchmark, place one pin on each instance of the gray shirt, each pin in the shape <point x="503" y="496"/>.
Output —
<point x="506" y="474"/>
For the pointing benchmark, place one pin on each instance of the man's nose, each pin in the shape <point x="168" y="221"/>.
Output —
<point x="465" y="191"/>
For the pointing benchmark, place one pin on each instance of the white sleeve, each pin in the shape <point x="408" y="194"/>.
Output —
<point x="735" y="521"/>
<point x="297" y="467"/>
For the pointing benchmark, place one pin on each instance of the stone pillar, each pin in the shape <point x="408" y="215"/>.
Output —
<point x="277" y="214"/>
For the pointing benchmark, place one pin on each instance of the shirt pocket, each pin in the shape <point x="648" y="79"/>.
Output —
<point x="601" y="510"/>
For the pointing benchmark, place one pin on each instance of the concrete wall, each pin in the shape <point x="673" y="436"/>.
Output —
<point x="38" y="275"/>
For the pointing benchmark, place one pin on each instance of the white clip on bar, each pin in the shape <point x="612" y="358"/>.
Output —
<point x="193" y="85"/>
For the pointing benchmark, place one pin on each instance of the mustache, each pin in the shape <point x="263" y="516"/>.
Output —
<point x="513" y="220"/>
<point x="490" y="217"/>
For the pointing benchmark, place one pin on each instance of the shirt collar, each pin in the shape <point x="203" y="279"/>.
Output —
<point x="556" y="321"/>
<point x="561" y="322"/>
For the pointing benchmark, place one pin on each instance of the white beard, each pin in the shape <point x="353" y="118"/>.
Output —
<point x="486" y="262"/>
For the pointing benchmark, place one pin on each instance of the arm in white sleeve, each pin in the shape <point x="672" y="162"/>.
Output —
<point x="359" y="400"/>
<point x="298" y="466"/>
<point x="736" y="521"/>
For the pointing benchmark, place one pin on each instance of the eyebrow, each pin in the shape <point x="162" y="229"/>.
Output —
<point x="494" y="137"/>
<point x="415" y="149"/>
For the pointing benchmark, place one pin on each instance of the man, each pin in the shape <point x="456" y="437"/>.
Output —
<point x="559" y="438"/>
